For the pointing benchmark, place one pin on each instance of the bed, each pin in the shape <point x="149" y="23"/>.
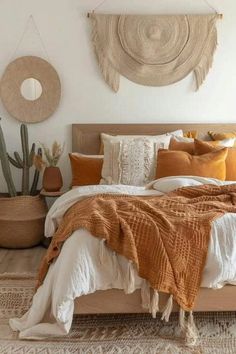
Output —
<point x="86" y="140"/>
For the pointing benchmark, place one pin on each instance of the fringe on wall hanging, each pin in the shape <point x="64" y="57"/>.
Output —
<point x="154" y="50"/>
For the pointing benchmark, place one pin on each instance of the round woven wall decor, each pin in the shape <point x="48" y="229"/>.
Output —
<point x="25" y="110"/>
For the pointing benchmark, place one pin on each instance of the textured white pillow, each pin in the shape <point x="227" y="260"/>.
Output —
<point x="131" y="159"/>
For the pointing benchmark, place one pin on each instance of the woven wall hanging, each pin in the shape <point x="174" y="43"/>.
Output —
<point x="154" y="50"/>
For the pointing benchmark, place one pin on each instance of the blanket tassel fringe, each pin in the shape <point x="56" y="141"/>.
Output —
<point x="155" y="304"/>
<point x="168" y="309"/>
<point x="151" y="305"/>
<point x="188" y="328"/>
<point x="145" y="295"/>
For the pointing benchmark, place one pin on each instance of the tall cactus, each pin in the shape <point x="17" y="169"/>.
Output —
<point x="6" y="166"/>
<point x="26" y="161"/>
<point x="33" y="190"/>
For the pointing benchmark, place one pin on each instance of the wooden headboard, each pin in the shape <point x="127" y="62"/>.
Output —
<point x="86" y="137"/>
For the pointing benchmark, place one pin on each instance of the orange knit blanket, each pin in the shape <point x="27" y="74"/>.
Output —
<point x="166" y="237"/>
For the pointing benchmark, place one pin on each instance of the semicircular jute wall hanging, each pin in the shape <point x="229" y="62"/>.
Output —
<point x="154" y="50"/>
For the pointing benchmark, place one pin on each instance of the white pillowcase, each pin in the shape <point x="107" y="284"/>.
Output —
<point x="169" y="184"/>
<point x="183" y="139"/>
<point x="131" y="159"/>
<point x="178" y="133"/>
<point x="225" y="143"/>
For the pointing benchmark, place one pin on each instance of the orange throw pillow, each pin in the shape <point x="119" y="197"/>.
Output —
<point x="204" y="147"/>
<point x="188" y="146"/>
<point x="230" y="162"/>
<point x="182" y="146"/>
<point x="86" y="170"/>
<point x="222" y="135"/>
<point x="181" y="163"/>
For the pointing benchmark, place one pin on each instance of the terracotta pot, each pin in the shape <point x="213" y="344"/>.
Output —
<point x="52" y="179"/>
<point x="22" y="221"/>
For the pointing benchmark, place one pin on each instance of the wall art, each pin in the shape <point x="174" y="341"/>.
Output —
<point x="154" y="50"/>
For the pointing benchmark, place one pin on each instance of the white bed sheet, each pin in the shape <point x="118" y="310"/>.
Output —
<point x="79" y="269"/>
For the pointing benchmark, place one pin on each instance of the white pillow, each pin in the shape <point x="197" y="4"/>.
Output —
<point x="227" y="142"/>
<point x="177" y="133"/>
<point x="182" y="139"/>
<point x="131" y="159"/>
<point x="169" y="184"/>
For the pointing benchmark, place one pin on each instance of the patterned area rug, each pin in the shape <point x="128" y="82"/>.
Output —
<point x="116" y="334"/>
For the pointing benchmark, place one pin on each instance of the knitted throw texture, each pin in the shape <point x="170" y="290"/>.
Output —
<point x="166" y="237"/>
<point x="154" y="50"/>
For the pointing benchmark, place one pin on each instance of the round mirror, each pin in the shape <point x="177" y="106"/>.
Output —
<point x="31" y="89"/>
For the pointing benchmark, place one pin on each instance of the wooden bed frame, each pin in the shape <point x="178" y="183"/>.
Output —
<point x="86" y="139"/>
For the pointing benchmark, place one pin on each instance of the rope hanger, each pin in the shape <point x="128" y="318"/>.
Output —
<point x="31" y="21"/>
<point x="206" y="2"/>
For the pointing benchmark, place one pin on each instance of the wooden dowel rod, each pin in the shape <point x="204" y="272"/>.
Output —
<point x="220" y="15"/>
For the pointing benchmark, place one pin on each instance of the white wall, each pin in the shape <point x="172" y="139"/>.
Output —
<point x="85" y="96"/>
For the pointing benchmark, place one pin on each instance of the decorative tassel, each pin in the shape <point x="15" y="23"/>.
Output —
<point x="191" y="331"/>
<point x="188" y="328"/>
<point x="167" y="310"/>
<point x="182" y="322"/>
<point x="130" y="279"/>
<point x="145" y="295"/>
<point x="155" y="304"/>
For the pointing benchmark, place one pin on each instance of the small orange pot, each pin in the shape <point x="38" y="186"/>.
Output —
<point x="52" y="179"/>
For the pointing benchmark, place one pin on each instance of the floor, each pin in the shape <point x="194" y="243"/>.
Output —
<point x="21" y="261"/>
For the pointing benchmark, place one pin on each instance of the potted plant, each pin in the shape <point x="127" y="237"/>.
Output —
<point x="22" y="214"/>
<point x="52" y="178"/>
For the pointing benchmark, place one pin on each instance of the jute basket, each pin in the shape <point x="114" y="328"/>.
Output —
<point x="22" y="221"/>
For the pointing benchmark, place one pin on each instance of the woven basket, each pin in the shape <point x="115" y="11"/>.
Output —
<point x="22" y="221"/>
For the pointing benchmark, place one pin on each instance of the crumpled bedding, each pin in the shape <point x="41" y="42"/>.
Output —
<point x="86" y="265"/>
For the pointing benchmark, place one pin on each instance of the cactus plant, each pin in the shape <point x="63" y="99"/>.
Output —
<point x="24" y="163"/>
<point x="6" y="166"/>
<point x="33" y="190"/>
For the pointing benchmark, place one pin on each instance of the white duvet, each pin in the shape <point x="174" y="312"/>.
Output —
<point x="86" y="265"/>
